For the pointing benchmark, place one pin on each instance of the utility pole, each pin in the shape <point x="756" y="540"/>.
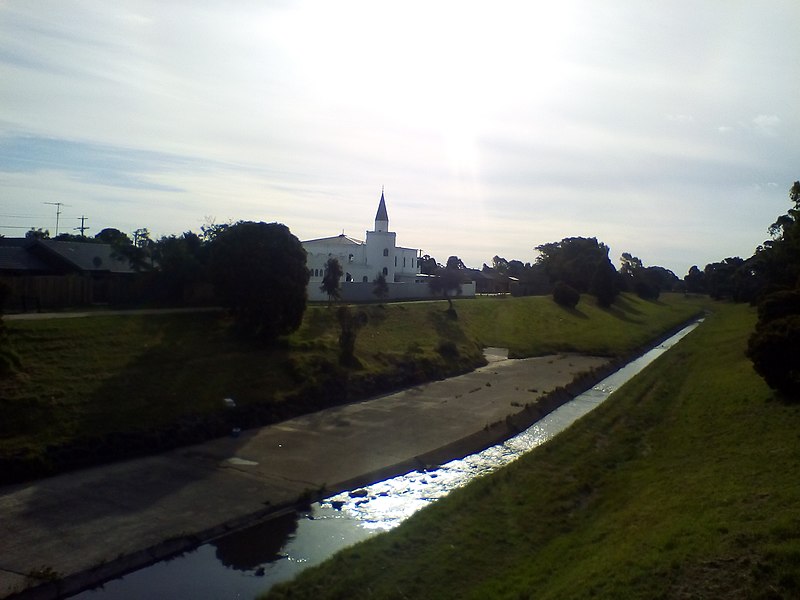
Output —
<point x="58" y="206"/>
<point x="83" y="226"/>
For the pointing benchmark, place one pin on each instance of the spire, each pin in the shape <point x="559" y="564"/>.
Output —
<point x="382" y="215"/>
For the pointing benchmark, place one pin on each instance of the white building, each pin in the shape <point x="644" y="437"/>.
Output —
<point x="363" y="261"/>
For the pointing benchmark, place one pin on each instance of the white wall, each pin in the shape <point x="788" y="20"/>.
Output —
<point x="362" y="292"/>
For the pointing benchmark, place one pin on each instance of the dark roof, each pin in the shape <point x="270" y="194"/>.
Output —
<point x="382" y="214"/>
<point x="85" y="257"/>
<point x="17" y="259"/>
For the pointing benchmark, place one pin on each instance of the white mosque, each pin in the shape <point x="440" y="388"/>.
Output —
<point x="363" y="261"/>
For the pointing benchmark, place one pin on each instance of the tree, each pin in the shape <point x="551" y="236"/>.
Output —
<point x="9" y="361"/>
<point x="695" y="281"/>
<point x="647" y="282"/>
<point x="380" y="288"/>
<point x="500" y="264"/>
<point x="448" y="280"/>
<point x="603" y="285"/>
<point x="71" y="237"/>
<point x="575" y="261"/>
<point x="350" y="324"/>
<point x="775" y="271"/>
<point x="259" y="272"/>
<point x="330" y="280"/>
<point x="181" y="265"/>
<point x="428" y="265"/>
<point x="37" y="234"/>
<point x="114" y="237"/>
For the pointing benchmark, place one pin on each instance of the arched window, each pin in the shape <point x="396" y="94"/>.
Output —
<point x="365" y="279"/>
<point x="385" y="271"/>
<point x="350" y="258"/>
<point x="386" y="252"/>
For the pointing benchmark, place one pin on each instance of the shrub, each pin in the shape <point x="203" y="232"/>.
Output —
<point x="565" y="295"/>
<point x="448" y="349"/>
<point x="647" y="290"/>
<point x="773" y="348"/>
<point x="778" y="305"/>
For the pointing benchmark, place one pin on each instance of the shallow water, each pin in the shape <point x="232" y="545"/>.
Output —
<point x="246" y="563"/>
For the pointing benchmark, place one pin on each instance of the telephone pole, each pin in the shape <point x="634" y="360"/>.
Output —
<point x="83" y="226"/>
<point x="58" y="206"/>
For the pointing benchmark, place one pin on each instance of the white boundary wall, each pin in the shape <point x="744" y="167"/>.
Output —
<point x="362" y="292"/>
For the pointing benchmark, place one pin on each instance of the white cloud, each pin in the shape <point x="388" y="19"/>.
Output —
<point x="767" y="124"/>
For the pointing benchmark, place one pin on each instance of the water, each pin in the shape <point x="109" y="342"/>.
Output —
<point x="249" y="562"/>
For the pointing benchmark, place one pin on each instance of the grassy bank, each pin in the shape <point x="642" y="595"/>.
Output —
<point x="683" y="485"/>
<point x="104" y="387"/>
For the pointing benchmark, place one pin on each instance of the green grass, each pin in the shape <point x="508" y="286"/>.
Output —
<point x="685" y="484"/>
<point x="82" y="381"/>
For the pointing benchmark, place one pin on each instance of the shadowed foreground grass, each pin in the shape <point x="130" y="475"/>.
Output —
<point x="95" y="389"/>
<point x="685" y="484"/>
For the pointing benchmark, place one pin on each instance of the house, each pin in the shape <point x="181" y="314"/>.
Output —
<point x="43" y="273"/>
<point x="363" y="261"/>
<point x="490" y="281"/>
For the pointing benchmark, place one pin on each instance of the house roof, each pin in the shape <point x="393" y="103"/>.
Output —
<point x="338" y="240"/>
<point x="87" y="257"/>
<point x="17" y="258"/>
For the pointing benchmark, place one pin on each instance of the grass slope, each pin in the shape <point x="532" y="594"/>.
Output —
<point x="685" y="484"/>
<point x="98" y="388"/>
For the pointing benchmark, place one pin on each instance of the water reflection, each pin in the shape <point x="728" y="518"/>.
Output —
<point x="251" y="548"/>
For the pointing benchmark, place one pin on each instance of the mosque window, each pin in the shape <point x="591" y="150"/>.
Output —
<point x="386" y="252"/>
<point x="385" y="271"/>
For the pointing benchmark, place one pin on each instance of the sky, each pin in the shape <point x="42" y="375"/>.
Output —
<point x="665" y="129"/>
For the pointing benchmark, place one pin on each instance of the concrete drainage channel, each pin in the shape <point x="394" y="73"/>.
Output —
<point x="248" y="562"/>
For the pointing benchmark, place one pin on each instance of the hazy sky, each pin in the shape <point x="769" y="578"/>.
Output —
<point x="666" y="129"/>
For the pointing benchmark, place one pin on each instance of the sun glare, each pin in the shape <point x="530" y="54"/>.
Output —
<point x="452" y="68"/>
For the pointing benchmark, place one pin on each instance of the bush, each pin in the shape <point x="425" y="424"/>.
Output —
<point x="647" y="290"/>
<point x="565" y="295"/>
<point x="778" y="305"/>
<point x="447" y="349"/>
<point x="773" y="348"/>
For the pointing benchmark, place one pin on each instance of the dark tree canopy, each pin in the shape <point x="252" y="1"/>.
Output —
<point x="112" y="236"/>
<point x="330" y="280"/>
<point x="428" y="265"/>
<point x="647" y="282"/>
<point x="37" y="234"/>
<point x="581" y="263"/>
<point x="259" y="272"/>
<point x="181" y="264"/>
<point x="447" y="281"/>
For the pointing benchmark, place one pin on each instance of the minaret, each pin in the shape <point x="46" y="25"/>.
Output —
<point x="382" y="217"/>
